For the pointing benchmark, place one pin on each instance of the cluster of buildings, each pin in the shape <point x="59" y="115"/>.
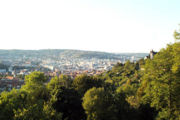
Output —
<point x="151" y="55"/>
<point x="77" y="64"/>
<point x="9" y="82"/>
<point x="16" y="67"/>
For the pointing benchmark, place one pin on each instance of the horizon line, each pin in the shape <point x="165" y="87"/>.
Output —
<point x="73" y="50"/>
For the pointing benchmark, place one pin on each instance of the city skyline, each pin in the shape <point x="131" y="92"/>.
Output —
<point x="107" y="26"/>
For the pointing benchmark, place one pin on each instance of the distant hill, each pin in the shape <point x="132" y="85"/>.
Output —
<point x="55" y="53"/>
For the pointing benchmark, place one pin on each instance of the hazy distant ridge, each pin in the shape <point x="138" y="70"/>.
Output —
<point x="67" y="53"/>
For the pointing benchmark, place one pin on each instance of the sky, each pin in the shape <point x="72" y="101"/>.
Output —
<point x="97" y="25"/>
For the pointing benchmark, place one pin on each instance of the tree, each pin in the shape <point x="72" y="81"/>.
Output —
<point x="57" y="82"/>
<point x="98" y="104"/>
<point x="35" y="78"/>
<point x="65" y="99"/>
<point x="10" y="101"/>
<point x="38" y="111"/>
<point x="161" y="82"/>
<point x="177" y="35"/>
<point x="84" y="82"/>
<point x="30" y="97"/>
<point x="35" y="87"/>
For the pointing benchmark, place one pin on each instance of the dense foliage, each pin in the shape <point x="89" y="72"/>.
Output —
<point x="145" y="90"/>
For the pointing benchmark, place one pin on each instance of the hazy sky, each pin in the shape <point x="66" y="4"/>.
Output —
<point x="100" y="25"/>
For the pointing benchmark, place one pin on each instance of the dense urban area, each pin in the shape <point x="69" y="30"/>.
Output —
<point x="15" y="64"/>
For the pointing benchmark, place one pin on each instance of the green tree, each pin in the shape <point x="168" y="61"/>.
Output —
<point x="57" y="82"/>
<point x="161" y="82"/>
<point x="35" y="87"/>
<point x="65" y="99"/>
<point x="38" y="103"/>
<point x="38" y="111"/>
<point x="84" y="82"/>
<point x="177" y="35"/>
<point x="98" y="104"/>
<point x="11" y="101"/>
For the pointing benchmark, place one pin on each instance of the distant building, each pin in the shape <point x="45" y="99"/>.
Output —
<point x="49" y="67"/>
<point x="9" y="82"/>
<point x="10" y="69"/>
<point x="151" y="55"/>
